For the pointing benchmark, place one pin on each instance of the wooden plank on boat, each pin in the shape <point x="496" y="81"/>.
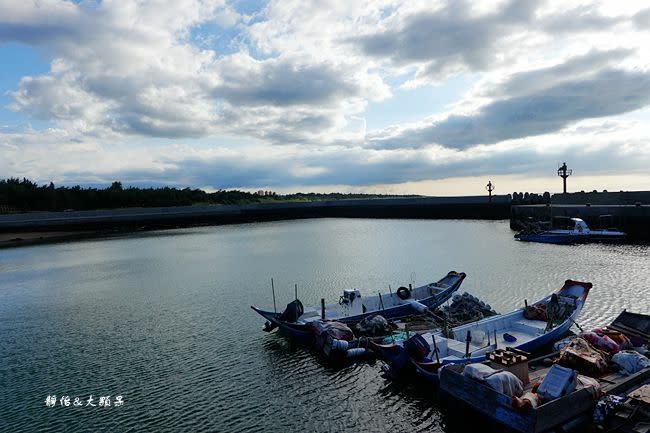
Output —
<point x="634" y="324"/>
<point x="623" y="385"/>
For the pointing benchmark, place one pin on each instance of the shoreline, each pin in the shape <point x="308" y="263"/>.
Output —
<point x="21" y="239"/>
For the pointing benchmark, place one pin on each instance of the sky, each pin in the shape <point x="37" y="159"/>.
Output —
<point x="391" y="97"/>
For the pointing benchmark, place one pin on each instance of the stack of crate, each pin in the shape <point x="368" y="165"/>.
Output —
<point x="512" y="360"/>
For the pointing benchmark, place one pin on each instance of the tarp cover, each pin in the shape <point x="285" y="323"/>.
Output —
<point x="478" y="371"/>
<point x="500" y="381"/>
<point x="602" y="342"/>
<point x="338" y="330"/>
<point x="579" y="355"/>
<point x="374" y="326"/>
<point x="630" y="362"/>
<point x="293" y="311"/>
<point x="506" y="383"/>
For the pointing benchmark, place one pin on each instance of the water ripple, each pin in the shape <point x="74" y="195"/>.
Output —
<point x="164" y="321"/>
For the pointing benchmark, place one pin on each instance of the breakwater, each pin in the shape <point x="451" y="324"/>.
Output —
<point x="471" y="207"/>
<point x="631" y="218"/>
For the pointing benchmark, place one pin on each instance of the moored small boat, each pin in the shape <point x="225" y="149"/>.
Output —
<point x="353" y="307"/>
<point x="425" y="353"/>
<point x="560" y="390"/>
<point x="573" y="230"/>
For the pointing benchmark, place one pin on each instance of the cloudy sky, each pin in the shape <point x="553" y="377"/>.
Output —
<point x="425" y="97"/>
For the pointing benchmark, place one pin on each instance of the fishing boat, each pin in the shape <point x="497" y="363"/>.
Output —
<point x="425" y="353"/>
<point x="571" y="230"/>
<point x="352" y="307"/>
<point x="566" y="400"/>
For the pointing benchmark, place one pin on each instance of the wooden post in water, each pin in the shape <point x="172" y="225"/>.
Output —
<point x="275" y="310"/>
<point x="295" y="291"/>
<point x="322" y="308"/>
<point x="381" y="302"/>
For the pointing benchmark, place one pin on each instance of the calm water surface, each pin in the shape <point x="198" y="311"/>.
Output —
<point x="163" y="320"/>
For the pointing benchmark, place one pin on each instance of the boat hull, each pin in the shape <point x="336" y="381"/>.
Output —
<point x="550" y="238"/>
<point x="298" y="331"/>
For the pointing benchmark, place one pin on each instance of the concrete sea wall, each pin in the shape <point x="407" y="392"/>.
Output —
<point x="473" y="207"/>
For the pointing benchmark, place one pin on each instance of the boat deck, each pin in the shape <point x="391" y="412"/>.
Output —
<point x="523" y="330"/>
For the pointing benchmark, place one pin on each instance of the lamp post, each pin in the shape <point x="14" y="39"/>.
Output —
<point x="490" y="187"/>
<point x="564" y="172"/>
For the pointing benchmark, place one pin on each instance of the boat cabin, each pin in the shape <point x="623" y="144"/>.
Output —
<point x="576" y="225"/>
<point x="351" y="303"/>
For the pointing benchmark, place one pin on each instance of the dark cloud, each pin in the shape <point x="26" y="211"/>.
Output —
<point x="448" y="39"/>
<point x="606" y="93"/>
<point x="138" y="123"/>
<point x="580" y="66"/>
<point x="299" y="125"/>
<point x="454" y="39"/>
<point x="35" y="35"/>
<point x="282" y="83"/>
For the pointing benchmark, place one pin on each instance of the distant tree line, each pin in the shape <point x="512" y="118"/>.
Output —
<point x="18" y="195"/>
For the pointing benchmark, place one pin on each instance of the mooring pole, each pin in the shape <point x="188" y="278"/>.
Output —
<point x="275" y="310"/>
<point x="322" y="308"/>
<point x="295" y="291"/>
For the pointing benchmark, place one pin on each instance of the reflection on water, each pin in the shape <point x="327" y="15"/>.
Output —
<point x="163" y="319"/>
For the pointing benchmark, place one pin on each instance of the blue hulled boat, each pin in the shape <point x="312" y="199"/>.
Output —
<point x="571" y="231"/>
<point x="353" y="307"/>
<point x="425" y="353"/>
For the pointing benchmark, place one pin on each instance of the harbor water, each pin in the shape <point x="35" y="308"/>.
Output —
<point x="163" y="320"/>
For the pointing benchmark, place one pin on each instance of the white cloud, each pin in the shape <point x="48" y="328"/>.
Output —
<point x="146" y="90"/>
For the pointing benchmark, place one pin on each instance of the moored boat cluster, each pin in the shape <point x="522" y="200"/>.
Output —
<point x="460" y="345"/>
